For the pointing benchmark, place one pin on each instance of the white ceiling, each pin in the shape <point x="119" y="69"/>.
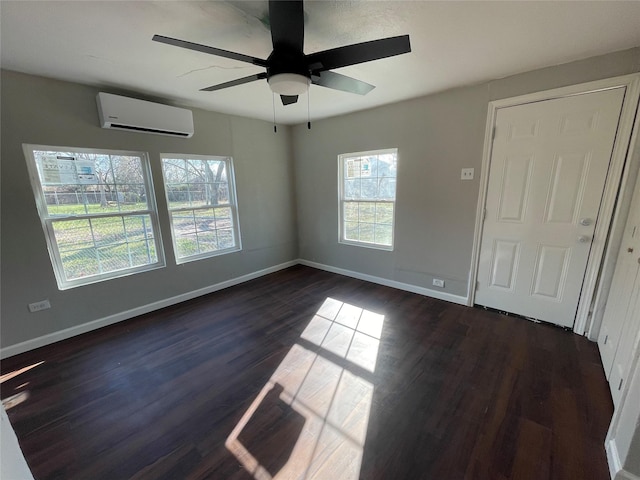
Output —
<point x="108" y="44"/>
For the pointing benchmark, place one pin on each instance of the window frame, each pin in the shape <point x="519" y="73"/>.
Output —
<point x="48" y="220"/>
<point x="342" y="201"/>
<point x="232" y="205"/>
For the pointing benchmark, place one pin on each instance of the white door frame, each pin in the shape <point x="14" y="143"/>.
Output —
<point x="607" y="235"/>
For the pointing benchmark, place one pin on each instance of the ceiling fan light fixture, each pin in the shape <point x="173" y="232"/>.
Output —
<point x="289" y="84"/>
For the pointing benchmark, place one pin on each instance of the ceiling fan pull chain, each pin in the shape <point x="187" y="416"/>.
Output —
<point x="273" y="98"/>
<point x="308" y="109"/>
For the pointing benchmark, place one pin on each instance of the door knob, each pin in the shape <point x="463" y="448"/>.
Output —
<point x="585" y="222"/>
<point x="584" y="238"/>
<point x="630" y="249"/>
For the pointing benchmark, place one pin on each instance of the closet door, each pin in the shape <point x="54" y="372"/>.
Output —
<point x="548" y="169"/>
<point x="621" y="322"/>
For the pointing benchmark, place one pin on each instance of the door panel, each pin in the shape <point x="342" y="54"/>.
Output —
<point x="550" y="272"/>
<point x="514" y="191"/>
<point x="567" y="188"/>
<point x="548" y="167"/>
<point x="505" y="256"/>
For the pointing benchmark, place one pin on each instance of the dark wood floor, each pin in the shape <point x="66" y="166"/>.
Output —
<point x="306" y="374"/>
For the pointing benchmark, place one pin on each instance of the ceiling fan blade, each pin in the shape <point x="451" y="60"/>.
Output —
<point x="210" y="50"/>
<point x="233" y="83"/>
<point x="288" y="99"/>
<point x="360" y="53"/>
<point x="286" y="19"/>
<point x="342" y="82"/>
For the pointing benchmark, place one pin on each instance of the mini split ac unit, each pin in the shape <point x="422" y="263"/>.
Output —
<point x="124" y="113"/>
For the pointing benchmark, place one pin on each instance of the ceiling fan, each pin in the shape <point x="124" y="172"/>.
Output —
<point x="289" y="71"/>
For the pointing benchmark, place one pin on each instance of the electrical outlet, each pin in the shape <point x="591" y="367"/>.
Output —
<point x="41" y="305"/>
<point x="466" y="174"/>
<point x="437" y="282"/>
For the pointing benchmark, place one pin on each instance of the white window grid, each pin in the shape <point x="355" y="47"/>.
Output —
<point x="352" y="166"/>
<point x="125" y="215"/>
<point x="206" y="239"/>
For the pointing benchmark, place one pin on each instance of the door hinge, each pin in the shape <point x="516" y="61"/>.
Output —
<point x="620" y="386"/>
<point x="484" y="214"/>
<point x="493" y="133"/>
<point x="477" y="285"/>
<point x="606" y="337"/>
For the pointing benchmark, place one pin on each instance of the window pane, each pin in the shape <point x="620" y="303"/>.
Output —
<point x="83" y="196"/>
<point x="73" y="235"/>
<point x="142" y="253"/>
<point x="351" y="231"/>
<point x="383" y="234"/>
<point x="350" y="212"/>
<point x="138" y="228"/>
<point x="384" y="213"/>
<point x="202" y="185"/>
<point x="205" y="219"/>
<point x="186" y="245"/>
<point x="195" y="182"/>
<point x="80" y="263"/>
<point x="126" y="169"/>
<point x="113" y="257"/>
<point x="226" y="238"/>
<point x="64" y="200"/>
<point x="75" y="183"/>
<point x="366" y="232"/>
<point x="352" y="189"/>
<point x="107" y="230"/>
<point x="207" y="241"/>
<point x="183" y="223"/>
<point x="223" y="218"/>
<point x="367" y="179"/>
<point x="387" y="189"/>
<point x="102" y="245"/>
<point x="369" y="188"/>
<point x="367" y="212"/>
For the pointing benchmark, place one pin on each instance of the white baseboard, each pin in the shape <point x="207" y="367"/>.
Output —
<point x="615" y="466"/>
<point x="134" y="312"/>
<point x="388" y="283"/>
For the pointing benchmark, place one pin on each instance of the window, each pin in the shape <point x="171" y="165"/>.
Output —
<point x="367" y="198"/>
<point x="98" y="212"/>
<point x="202" y="205"/>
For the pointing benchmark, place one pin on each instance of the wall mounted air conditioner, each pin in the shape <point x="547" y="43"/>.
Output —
<point x="125" y="113"/>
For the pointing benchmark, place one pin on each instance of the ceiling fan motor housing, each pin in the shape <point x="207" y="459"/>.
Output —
<point x="287" y="61"/>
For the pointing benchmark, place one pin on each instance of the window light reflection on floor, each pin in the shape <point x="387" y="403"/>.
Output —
<point x="20" y="397"/>
<point x="318" y="401"/>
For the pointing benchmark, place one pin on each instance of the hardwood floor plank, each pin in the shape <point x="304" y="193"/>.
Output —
<point x="311" y="375"/>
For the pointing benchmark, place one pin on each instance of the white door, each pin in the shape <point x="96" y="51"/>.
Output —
<point x="547" y="172"/>
<point x="628" y="340"/>
<point x="621" y="320"/>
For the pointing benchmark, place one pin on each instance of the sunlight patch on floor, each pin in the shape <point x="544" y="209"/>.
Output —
<point x="15" y="373"/>
<point x="322" y="400"/>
